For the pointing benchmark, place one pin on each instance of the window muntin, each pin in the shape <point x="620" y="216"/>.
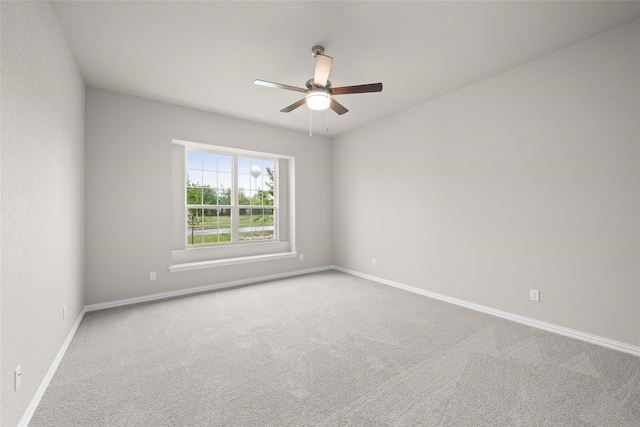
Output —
<point x="225" y="206"/>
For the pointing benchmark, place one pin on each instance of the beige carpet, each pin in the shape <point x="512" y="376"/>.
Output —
<point x="330" y="349"/>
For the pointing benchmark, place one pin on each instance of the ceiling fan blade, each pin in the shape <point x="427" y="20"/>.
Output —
<point x="279" y="86"/>
<point x="372" y="87"/>
<point x="337" y="107"/>
<point x="323" y="66"/>
<point x="293" y="106"/>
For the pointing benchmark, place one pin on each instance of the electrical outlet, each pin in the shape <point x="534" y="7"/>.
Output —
<point x="534" y="295"/>
<point x="64" y="312"/>
<point x="152" y="275"/>
<point x="373" y="261"/>
<point x="301" y="257"/>
<point x="17" y="378"/>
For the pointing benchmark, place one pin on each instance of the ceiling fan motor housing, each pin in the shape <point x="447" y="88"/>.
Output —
<point x="311" y="86"/>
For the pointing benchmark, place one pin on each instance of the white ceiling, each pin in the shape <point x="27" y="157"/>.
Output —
<point x="207" y="54"/>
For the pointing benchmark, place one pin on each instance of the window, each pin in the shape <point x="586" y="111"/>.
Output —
<point x="229" y="198"/>
<point x="230" y="206"/>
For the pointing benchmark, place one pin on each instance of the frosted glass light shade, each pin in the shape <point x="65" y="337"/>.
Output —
<point x="318" y="100"/>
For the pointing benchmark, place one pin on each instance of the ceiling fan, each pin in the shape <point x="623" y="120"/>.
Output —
<point x="319" y="90"/>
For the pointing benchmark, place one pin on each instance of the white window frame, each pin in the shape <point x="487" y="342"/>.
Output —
<point x="189" y="257"/>
<point x="235" y="206"/>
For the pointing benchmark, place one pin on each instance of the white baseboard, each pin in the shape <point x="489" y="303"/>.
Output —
<point x="593" y="339"/>
<point x="189" y="291"/>
<point x="571" y="333"/>
<point x="35" y="401"/>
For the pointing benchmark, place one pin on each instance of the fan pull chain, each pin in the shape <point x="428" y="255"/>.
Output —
<point x="310" y="133"/>
<point x="327" y="117"/>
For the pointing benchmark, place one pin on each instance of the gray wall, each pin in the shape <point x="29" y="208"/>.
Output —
<point x="128" y="194"/>
<point x="526" y="180"/>
<point x="41" y="198"/>
<point x="529" y="179"/>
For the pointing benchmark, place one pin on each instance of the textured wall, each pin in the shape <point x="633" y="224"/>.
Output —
<point x="129" y="194"/>
<point x="42" y="198"/>
<point x="528" y="179"/>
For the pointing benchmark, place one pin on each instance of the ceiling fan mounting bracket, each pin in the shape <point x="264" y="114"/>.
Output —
<point x="317" y="50"/>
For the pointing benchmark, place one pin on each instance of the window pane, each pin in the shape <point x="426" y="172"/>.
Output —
<point x="209" y="161"/>
<point x="256" y="224"/>
<point x="268" y="177"/>
<point x="217" y="226"/>
<point x="209" y="179"/>
<point x="209" y="196"/>
<point x="256" y="174"/>
<point x="224" y="163"/>
<point x="194" y="160"/>
<point x="244" y="181"/>
<point x="265" y="198"/>
<point x="224" y="196"/>
<point x="224" y="225"/>
<point x="269" y="220"/>
<point x="220" y="196"/>
<point x="257" y="198"/>
<point x="224" y="179"/>
<point x="244" y="197"/>
<point x="211" y="226"/>
<point x="244" y="165"/>
<point x="256" y="163"/>
<point x="194" y="226"/>
<point x="206" y="226"/>
<point x="194" y="196"/>
<point x="194" y="178"/>
<point x="251" y="197"/>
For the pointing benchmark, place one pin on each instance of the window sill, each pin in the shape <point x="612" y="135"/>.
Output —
<point x="229" y="261"/>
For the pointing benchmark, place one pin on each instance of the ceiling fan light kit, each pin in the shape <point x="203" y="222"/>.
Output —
<point x="320" y="94"/>
<point x="318" y="100"/>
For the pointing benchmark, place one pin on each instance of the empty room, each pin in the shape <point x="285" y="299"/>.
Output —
<point x="319" y="213"/>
